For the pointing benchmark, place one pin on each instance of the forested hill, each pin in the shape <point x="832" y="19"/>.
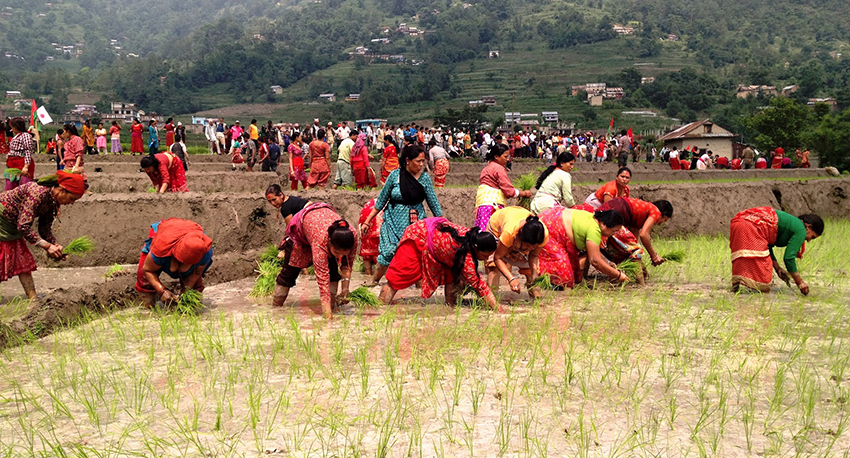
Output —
<point x="180" y="57"/>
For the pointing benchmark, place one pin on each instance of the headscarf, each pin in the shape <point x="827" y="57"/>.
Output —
<point x="360" y="148"/>
<point x="412" y="191"/>
<point x="71" y="182"/>
<point x="183" y="239"/>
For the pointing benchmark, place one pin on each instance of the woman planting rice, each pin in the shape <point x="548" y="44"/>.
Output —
<point x="555" y="185"/>
<point x="753" y="235"/>
<point x="166" y="172"/>
<point x="521" y="237"/>
<point x="576" y="237"/>
<point x="494" y="186"/>
<point x="439" y="252"/>
<point x="438" y="160"/>
<point x="616" y="188"/>
<point x="19" y="207"/>
<point x="401" y="201"/>
<point x="639" y="217"/>
<point x="178" y="248"/>
<point x="317" y="236"/>
<point x="370" y="239"/>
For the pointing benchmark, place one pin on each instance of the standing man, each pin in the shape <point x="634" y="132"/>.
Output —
<point x="88" y="138"/>
<point x="210" y="135"/>
<point x="219" y="135"/>
<point x="343" y="162"/>
<point x="748" y="155"/>
<point x="314" y="129"/>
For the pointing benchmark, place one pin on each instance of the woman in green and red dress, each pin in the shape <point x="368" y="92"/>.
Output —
<point x="752" y="236"/>
<point x="19" y="208"/>
<point x="20" y="157"/>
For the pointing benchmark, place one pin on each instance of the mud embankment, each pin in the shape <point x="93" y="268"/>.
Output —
<point x="118" y="223"/>
<point x="201" y="182"/>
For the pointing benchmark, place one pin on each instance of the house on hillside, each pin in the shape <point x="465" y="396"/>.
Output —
<point x="276" y="89"/>
<point x="829" y="101"/>
<point x="549" y="116"/>
<point x="121" y="112"/>
<point x="329" y="97"/>
<point x="755" y="90"/>
<point x="489" y="100"/>
<point x="352" y="98"/>
<point x="788" y="90"/>
<point x="13" y="94"/>
<point x="705" y="135"/>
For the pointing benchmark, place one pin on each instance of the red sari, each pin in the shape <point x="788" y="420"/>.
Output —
<point x="390" y="162"/>
<point x="371" y="238"/>
<point x="136" y="144"/>
<point x="170" y="171"/>
<point x="169" y="134"/>
<point x="426" y="253"/>
<point x="560" y="257"/>
<point x="751" y="232"/>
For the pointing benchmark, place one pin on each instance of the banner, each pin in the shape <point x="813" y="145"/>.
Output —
<point x="32" y="113"/>
<point x="43" y="116"/>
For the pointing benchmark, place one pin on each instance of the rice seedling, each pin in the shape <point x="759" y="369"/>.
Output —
<point x="631" y="268"/>
<point x="675" y="256"/>
<point x="544" y="282"/>
<point x="264" y="286"/>
<point x="113" y="270"/>
<point x="189" y="303"/>
<point x="525" y="182"/>
<point x="152" y="190"/>
<point x="269" y="254"/>
<point x="362" y="297"/>
<point x="79" y="246"/>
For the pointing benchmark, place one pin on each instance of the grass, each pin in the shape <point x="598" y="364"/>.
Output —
<point x="113" y="270"/>
<point x="79" y="246"/>
<point x="682" y="367"/>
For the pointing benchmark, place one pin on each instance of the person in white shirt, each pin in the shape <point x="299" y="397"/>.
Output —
<point x="209" y="134"/>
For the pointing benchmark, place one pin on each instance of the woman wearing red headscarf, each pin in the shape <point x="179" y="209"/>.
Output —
<point x="166" y="172"/>
<point x="778" y="155"/>
<point x="19" y="208"/>
<point x="364" y="176"/>
<point x="178" y="248"/>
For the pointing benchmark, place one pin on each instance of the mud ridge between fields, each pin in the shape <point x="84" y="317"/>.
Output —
<point x="69" y="306"/>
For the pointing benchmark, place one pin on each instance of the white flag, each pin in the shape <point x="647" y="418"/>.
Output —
<point x="43" y="116"/>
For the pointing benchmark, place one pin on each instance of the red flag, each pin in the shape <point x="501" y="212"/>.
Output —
<point x="32" y="114"/>
<point x="631" y="136"/>
<point x="611" y="127"/>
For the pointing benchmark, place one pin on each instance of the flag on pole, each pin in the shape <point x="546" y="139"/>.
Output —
<point x="611" y="127"/>
<point x="631" y="136"/>
<point x="32" y="113"/>
<point x="43" y="116"/>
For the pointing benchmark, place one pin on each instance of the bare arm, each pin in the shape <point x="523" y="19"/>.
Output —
<point x="598" y="261"/>
<point x="646" y="240"/>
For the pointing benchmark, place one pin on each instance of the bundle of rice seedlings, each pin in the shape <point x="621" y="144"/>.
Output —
<point x="264" y="286"/>
<point x="525" y="183"/>
<point x="543" y="282"/>
<point x="152" y="190"/>
<point x="79" y="246"/>
<point x="675" y="256"/>
<point x="270" y="254"/>
<point x="631" y="268"/>
<point x="113" y="270"/>
<point x="189" y="303"/>
<point x="12" y="174"/>
<point x="362" y="297"/>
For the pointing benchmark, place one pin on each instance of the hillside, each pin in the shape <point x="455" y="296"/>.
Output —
<point x="208" y="54"/>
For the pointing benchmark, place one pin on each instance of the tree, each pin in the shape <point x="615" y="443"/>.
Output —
<point x="784" y="124"/>
<point x="471" y="118"/>
<point x="830" y="139"/>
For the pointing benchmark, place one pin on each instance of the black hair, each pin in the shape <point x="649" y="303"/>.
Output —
<point x="496" y="150"/>
<point x="150" y="123"/>
<point x="253" y="121"/>
<point x="665" y="207"/>
<point x="389" y="138"/>
<point x="354" y="133"/>
<point x="433" y="142"/>
<point x="533" y="231"/>
<point x="610" y="218"/>
<point x="624" y="132"/>
<point x="149" y="161"/>
<point x="474" y="241"/>
<point x="294" y="136"/>
<point x="815" y="221"/>
<point x="563" y="158"/>
<point x="624" y="169"/>
<point x="320" y="134"/>
<point x="274" y="189"/>
<point x="18" y="123"/>
<point x="169" y="120"/>
<point x="409" y="153"/>
<point x="340" y="235"/>
<point x="72" y="129"/>
<point x="60" y="131"/>
<point x="114" y="123"/>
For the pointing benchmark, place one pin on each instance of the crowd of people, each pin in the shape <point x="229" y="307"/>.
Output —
<point x="402" y="245"/>
<point x="554" y="235"/>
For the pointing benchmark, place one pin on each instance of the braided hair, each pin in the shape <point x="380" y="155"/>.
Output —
<point x="474" y="241"/>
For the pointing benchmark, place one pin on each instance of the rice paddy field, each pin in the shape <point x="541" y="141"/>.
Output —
<point x="682" y="367"/>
